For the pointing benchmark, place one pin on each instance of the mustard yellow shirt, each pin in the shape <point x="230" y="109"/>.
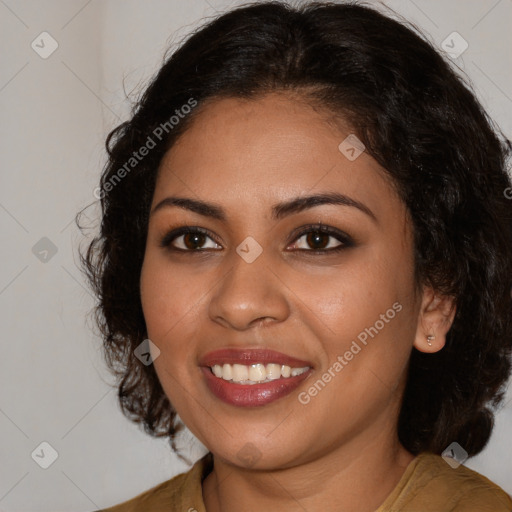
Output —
<point x="428" y="484"/>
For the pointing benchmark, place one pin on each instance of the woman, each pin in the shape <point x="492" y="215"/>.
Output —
<point x="305" y="257"/>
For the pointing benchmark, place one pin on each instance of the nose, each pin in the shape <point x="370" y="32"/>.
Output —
<point x="249" y="294"/>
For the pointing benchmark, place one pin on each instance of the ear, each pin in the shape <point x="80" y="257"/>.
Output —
<point x="434" y="321"/>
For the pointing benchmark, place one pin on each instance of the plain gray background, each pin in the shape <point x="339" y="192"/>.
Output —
<point x="56" y="113"/>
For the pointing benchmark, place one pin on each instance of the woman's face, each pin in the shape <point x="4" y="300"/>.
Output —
<point x="258" y="282"/>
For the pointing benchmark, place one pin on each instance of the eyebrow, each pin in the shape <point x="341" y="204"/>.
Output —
<point x="279" y="210"/>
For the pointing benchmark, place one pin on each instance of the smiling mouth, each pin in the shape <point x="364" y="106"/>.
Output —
<point x="257" y="373"/>
<point x="252" y="377"/>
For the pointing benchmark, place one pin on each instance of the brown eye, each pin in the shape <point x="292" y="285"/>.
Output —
<point x="193" y="240"/>
<point x="317" y="240"/>
<point x="321" y="240"/>
<point x="188" y="239"/>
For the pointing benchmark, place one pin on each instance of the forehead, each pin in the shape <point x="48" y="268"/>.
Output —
<point x="267" y="149"/>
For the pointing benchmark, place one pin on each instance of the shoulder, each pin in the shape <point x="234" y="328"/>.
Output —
<point x="183" y="490"/>
<point x="152" y="498"/>
<point x="431" y="484"/>
<point x="470" y="490"/>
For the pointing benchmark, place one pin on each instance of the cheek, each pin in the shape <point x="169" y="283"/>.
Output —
<point x="166" y="295"/>
<point x="352" y="295"/>
<point x="171" y="302"/>
<point x="364" y="310"/>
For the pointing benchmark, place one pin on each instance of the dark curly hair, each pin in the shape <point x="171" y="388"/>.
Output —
<point x="417" y="117"/>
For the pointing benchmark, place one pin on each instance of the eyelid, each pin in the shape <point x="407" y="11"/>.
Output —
<point x="342" y="237"/>
<point x="174" y="233"/>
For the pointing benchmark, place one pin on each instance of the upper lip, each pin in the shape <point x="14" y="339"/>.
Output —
<point x="250" y="356"/>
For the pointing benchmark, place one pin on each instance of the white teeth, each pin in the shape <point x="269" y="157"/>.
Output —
<point x="240" y="372"/>
<point x="255" y="373"/>
<point x="273" y="371"/>
<point x="226" y="372"/>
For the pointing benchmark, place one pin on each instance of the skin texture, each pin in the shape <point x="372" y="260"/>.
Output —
<point x="340" y="451"/>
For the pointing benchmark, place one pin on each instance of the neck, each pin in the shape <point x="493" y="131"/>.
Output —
<point x="354" y="477"/>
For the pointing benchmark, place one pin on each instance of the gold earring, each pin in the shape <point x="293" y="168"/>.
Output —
<point x="430" y="337"/>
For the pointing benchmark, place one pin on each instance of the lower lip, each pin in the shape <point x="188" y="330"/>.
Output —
<point x="251" y="395"/>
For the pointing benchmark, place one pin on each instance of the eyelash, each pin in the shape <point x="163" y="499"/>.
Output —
<point x="346" y="241"/>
